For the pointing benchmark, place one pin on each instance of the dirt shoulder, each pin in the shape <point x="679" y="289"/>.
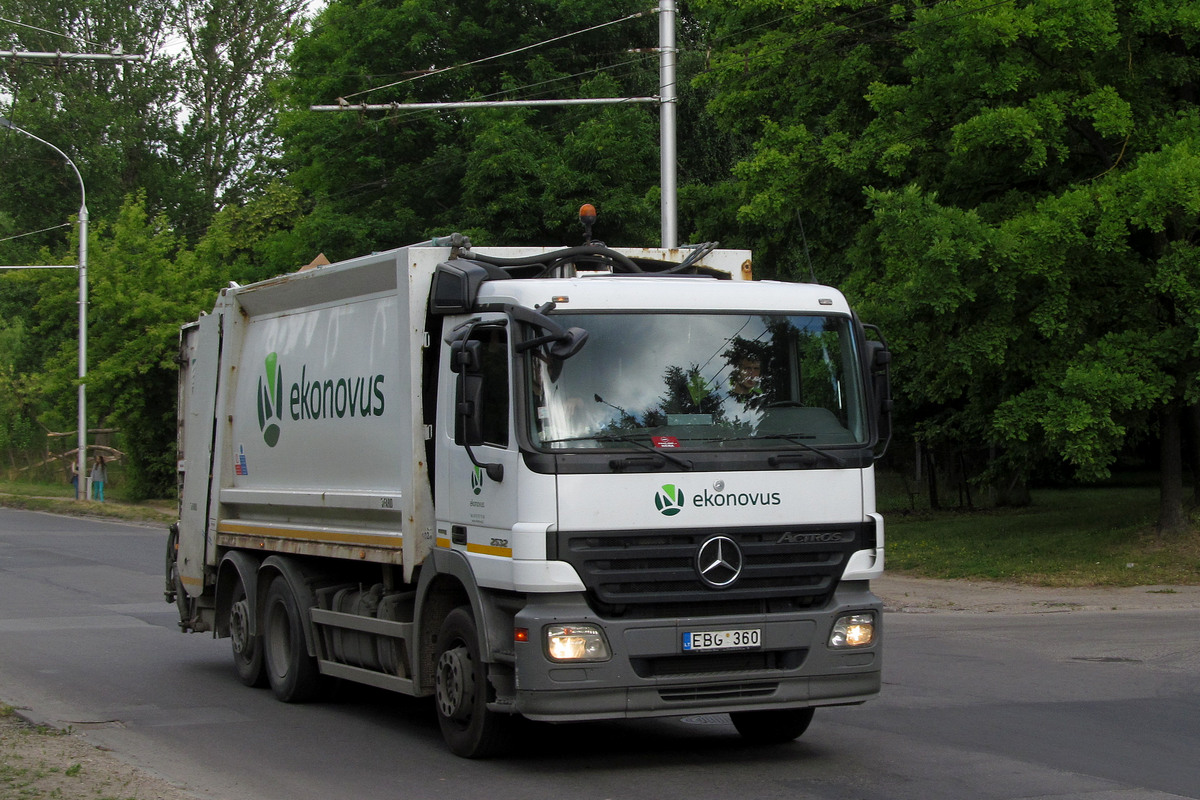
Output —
<point x="927" y="595"/>
<point x="39" y="763"/>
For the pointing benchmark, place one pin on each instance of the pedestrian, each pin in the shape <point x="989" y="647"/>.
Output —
<point x="74" y="471"/>
<point x="99" y="476"/>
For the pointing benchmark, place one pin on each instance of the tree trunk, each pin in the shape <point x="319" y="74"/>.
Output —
<point x="931" y="473"/>
<point x="1194" y="440"/>
<point x="1171" y="519"/>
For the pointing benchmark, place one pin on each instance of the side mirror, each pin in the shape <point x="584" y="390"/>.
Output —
<point x="465" y="361"/>
<point x="562" y="343"/>
<point x="468" y="417"/>
<point x="879" y="364"/>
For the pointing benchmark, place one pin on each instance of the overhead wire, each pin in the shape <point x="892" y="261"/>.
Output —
<point x="71" y="37"/>
<point x="485" y="59"/>
<point x="400" y="114"/>
<point x="815" y="39"/>
<point x="628" y="66"/>
<point x="522" y="92"/>
<point x="34" y="233"/>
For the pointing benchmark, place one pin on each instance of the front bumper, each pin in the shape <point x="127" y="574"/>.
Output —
<point x="649" y="675"/>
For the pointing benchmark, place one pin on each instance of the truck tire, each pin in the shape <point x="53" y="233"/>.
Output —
<point x="776" y="726"/>
<point x="175" y="593"/>
<point x="247" y="649"/>
<point x="291" y="671"/>
<point x="461" y="690"/>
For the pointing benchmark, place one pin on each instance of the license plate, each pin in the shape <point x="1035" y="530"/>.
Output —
<point x="746" y="639"/>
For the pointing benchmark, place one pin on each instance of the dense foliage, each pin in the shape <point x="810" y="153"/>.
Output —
<point x="515" y="176"/>
<point x="1019" y="185"/>
<point x="1011" y="189"/>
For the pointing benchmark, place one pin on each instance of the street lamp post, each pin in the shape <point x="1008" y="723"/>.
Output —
<point x="81" y="484"/>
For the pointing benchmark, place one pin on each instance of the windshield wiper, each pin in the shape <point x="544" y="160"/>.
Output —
<point x="795" y="439"/>
<point x="630" y="439"/>
<point x="626" y="439"/>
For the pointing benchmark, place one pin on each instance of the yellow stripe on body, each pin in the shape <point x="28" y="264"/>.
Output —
<point x="489" y="550"/>
<point x="279" y="532"/>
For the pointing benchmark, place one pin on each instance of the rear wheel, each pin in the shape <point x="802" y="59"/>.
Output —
<point x="461" y="688"/>
<point x="775" y="726"/>
<point x="247" y="648"/>
<point x="291" y="671"/>
<point x="174" y="591"/>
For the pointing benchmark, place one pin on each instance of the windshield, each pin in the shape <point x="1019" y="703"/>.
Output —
<point x="699" y="380"/>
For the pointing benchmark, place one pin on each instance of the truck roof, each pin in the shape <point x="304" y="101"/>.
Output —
<point x="638" y="293"/>
<point x="381" y="271"/>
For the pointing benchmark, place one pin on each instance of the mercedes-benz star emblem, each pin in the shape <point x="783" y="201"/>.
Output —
<point x="719" y="562"/>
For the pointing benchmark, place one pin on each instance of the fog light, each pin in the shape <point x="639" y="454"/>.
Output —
<point x="853" y="630"/>
<point x="576" y="643"/>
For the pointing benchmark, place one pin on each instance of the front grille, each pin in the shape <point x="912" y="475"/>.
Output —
<point x="646" y="574"/>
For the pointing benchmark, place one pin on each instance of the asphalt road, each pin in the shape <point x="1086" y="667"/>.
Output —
<point x="1102" y="705"/>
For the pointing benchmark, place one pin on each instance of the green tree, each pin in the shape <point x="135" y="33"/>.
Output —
<point x="381" y="180"/>
<point x="787" y="84"/>
<point x="138" y="295"/>
<point x="234" y="51"/>
<point x="116" y="122"/>
<point x="1016" y="182"/>
<point x="18" y="407"/>
<point x="181" y="132"/>
<point x="190" y="125"/>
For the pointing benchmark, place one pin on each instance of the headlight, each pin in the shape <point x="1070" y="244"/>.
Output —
<point x="853" y="630"/>
<point x="576" y="643"/>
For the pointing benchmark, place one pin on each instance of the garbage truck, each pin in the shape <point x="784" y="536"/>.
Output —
<point x="568" y="484"/>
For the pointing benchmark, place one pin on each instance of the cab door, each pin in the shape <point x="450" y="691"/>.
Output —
<point x="477" y="497"/>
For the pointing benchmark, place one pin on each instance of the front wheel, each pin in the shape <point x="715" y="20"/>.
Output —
<point x="461" y="688"/>
<point x="291" y="671"/>
<point x="775" y="726"/>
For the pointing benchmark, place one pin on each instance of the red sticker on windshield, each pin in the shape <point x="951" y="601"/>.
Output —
<point x="664" y="441"/>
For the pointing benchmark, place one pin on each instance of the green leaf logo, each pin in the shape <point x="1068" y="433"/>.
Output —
<point x="477" y="480"/>
<point x="669" y="500"/>
<point x="270" y="400"/>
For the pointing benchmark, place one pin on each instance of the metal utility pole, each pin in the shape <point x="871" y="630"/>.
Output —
<point x="81" y="456"/>
<point x="667" y="138"/>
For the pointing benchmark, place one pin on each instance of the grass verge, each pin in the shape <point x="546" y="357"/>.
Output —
<point x="57" y="499"/>
<point x="1068" y="537"/>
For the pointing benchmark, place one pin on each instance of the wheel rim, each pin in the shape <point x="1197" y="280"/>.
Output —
<point x="455" y="684"/>
<point x="239" y="626"/>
